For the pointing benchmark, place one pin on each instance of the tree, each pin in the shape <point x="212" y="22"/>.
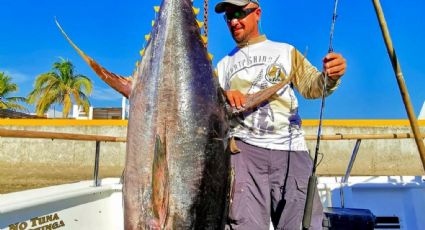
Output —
<point x="7" y="88"/>
<point x="60" y="86"/>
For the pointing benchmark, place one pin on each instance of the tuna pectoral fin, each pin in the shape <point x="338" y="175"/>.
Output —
<point x="253" y="100"/>
<point x="160" y="184"/>
<point x="119" y="83"/>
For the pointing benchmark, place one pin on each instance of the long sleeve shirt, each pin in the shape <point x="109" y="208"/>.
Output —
<point x="275" y="124"/>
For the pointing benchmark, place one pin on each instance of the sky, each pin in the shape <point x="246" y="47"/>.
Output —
<point x="112" y="32"/>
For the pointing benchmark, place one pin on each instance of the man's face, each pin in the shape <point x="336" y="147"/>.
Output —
<point x="243" y="21"/>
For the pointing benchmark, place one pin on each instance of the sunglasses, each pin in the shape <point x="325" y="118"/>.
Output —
<point x="238" y="14"/>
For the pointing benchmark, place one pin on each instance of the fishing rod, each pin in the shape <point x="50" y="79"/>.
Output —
<point x="312" y="181"/>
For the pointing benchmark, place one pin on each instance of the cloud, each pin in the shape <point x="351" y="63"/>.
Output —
<point x="17" y="77"/>
<point x="105" y="94"/>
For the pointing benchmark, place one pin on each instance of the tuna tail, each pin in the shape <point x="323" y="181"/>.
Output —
<point x="160" y="185"/>
<point x="119" y="83"/>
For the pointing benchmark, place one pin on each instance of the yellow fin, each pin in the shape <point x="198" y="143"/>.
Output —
<point x="195" y="10"/>
<point x="210" y="56"/>
<point x="137" y="64"/>
<point x="200" y="24"/>
<point x="147" y="37"/>
<point x="142" y="52"/>
<point x="215" y="73"/>
<point x="153" y="23"/>
<point x="204" y="39"/>
<point x="156" y="8"/>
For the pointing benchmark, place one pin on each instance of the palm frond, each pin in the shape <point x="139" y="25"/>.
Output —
<point x="85" y="82"/>
<point x="15" y="107"/>
<point x="67" y="104"/>
<point x="3" y="105"/>
<point x="82" y="100"/>
<point x="46" y="100"/>
<point x="17" y="99"/>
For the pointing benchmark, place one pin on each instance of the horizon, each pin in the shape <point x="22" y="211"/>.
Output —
<point x="113" y="33"/>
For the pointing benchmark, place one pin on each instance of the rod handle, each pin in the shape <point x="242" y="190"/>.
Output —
<point x="308" y="209"/>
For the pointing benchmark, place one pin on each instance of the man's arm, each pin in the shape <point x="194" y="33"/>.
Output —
<point x="309" y="81"/>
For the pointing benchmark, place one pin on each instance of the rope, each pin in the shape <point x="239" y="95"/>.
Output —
<point x="206" y="21"/>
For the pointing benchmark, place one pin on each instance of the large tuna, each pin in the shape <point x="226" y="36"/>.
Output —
<point x="177" y="169"/>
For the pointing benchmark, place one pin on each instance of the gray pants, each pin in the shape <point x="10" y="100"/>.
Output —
<point x="270" y="184"/>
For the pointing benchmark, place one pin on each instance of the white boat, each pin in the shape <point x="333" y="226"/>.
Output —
<point x="83" y="205"/>
<point x="71" y="206"/>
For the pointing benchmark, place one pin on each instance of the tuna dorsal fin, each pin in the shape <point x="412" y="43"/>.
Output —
<point x="160" y="184"/>
<point x="119" y="83"/>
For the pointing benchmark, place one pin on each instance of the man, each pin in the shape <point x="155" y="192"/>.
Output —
<point x="271" y="164"/>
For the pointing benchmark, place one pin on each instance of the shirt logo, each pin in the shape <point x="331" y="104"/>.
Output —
<point x="275" y="73"/>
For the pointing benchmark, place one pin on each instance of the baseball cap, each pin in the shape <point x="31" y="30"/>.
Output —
<point x="221" y="6"/>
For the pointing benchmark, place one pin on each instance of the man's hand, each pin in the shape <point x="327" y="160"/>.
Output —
<point x="235" y="98"/>
<point x="334" y="65"/>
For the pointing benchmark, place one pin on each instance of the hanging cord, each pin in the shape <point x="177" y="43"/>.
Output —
<point x="206" y="21"/>
<point x="312" y="182"/>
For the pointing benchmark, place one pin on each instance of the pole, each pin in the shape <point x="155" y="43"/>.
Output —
<point x="96" y="165"/>
<point x="344" y="180"/>
<point x="60" y="136"/>
<point x="382" y="136"/>
<point x="400" y="80"/>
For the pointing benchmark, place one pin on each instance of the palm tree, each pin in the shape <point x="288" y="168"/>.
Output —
<point x="60" y="86"/>
<point x="7" y="88"/>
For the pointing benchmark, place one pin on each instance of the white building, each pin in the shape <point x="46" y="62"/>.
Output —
<point x="102" y="112"/>
<point x="422" y="113"/>
<point x="79" y="114"/>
